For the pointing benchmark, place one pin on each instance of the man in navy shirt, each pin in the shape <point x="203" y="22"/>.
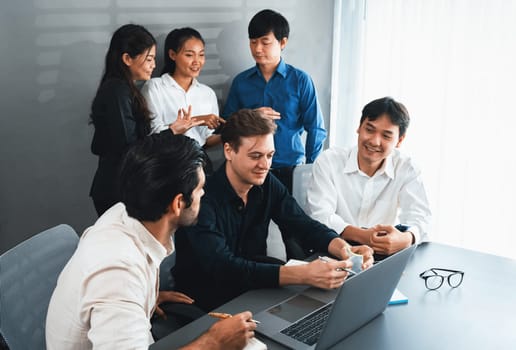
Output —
<point x="281" y="92"/>
<point x="224" y="254"/>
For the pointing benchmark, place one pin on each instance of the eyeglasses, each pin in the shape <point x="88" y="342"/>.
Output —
<point x="433" y="280"/>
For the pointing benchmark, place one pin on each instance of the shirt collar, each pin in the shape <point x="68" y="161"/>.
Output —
<point x="352" y="161"/>
<point x="387" y="166"/>
<point x="154" y="248"/>
<point x="169" y="81"/>
<point x="223" y="188"/>
<point x="281" y="69"/>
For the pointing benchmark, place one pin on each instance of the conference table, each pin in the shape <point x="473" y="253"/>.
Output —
<point x="479" y="314"/>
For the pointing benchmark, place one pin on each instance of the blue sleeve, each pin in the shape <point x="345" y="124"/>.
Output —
<point x="313" y="120"/>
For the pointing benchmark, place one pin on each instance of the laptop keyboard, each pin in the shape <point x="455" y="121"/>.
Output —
<point x="308" y="330"/>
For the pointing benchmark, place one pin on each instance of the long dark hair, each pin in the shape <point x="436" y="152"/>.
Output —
<point x="175" y="41"/>
<point x="134" y="40"/>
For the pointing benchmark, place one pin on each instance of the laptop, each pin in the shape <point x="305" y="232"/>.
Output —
<point x="318" y="319"/>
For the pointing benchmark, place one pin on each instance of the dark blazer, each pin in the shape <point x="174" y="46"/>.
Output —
<point x="117" y="125"/>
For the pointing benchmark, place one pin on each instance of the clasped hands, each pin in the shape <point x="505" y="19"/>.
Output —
<point x="387" y="240"/>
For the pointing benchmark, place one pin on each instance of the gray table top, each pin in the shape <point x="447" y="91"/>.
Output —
<point x="479" y="314"/>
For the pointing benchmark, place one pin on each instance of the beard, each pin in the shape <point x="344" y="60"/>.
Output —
<point x="189" y="217"/>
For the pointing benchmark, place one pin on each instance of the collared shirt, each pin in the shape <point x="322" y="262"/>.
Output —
<point x="165" y="97"/>
<point x="291" y="92"/>
<point x="217" y="259"/>
<point x="340" y="194"/>
<point x="106" y="294"/>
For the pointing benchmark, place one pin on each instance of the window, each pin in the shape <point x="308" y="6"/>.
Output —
<point x="452" y="63"/>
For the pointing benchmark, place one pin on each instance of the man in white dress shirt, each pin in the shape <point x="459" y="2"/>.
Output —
<point x="108" y="291"/>
<point x="372" y="193"/>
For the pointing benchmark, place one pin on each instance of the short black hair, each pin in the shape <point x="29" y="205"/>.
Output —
<point x="396" y="111"/>
<point x="267" y="21"/>
<point x="245" y="123"/>
<point x="155" y="170"/>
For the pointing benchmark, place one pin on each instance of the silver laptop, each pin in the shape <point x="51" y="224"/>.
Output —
<point x="317" y="319"/>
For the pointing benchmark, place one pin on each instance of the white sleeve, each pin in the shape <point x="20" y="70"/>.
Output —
<point x="115" y="302"/>
<point x="414" y="207"/>
<point x="322" y="196"/>
<point x="155" y="106"/>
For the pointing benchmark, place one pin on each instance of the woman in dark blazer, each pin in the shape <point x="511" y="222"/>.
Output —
<point x="119" y="112"/>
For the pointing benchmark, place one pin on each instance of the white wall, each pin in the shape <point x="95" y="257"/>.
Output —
<point x="51" y="59"/>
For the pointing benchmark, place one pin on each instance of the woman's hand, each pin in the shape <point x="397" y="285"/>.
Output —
<point x="212" y="121"/>
<point x="184" y="121"/>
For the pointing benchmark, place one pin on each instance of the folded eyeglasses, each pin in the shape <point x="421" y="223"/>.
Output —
<point x="434" y="280"/>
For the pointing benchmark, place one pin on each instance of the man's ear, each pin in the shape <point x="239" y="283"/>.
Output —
<point x="228" y="150"/>
<point x="283" y="42"/>
<point x="400" y="140"/>
<point x="176" y="205"/>
<point x="127" y="59"/>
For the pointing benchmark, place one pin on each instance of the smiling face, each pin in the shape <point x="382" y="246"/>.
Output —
<point x="189" y="60"/>
<point x="249" y="165"/>
<point x="142" y="65"/>
<point x="376" y="140"/>
<point x="266" y="50"/>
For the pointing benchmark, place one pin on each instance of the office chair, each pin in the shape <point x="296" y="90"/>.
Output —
<point x="291" y="249"/>
<point x="300" y="181"/>
<point x="28" y="276"/>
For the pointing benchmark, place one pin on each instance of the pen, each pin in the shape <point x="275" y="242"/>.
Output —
<point x="223" y="316"/>
<point x="326" y="259"/>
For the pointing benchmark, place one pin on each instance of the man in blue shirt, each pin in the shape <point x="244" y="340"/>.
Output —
<point x="281" y="92"/>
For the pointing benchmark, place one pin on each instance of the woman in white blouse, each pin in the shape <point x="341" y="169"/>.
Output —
<point x="177" y="100"/>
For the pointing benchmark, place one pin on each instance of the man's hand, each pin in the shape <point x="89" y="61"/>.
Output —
<point x="386" y="239"/>
<point x="268" y="112"/>
<point x="230" y="334"/>
<point x="173" y="297"/>
<point x="367" y="254"/>
<point x="212" y="121"/>
<point x="327" y="274"/>
<point x="338" y="247"/>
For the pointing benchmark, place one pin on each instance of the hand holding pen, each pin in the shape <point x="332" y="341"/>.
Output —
<point x="223" y="316"/>
<point x="349" y="271"/>
<point x="232" y="332"/>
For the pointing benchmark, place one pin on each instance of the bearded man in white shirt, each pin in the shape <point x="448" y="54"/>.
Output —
<point x="372" y="193"/>
<point x="108" y="291"/>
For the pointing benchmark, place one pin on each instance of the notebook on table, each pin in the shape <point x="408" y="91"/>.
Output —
<point x="307" y="321"/>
